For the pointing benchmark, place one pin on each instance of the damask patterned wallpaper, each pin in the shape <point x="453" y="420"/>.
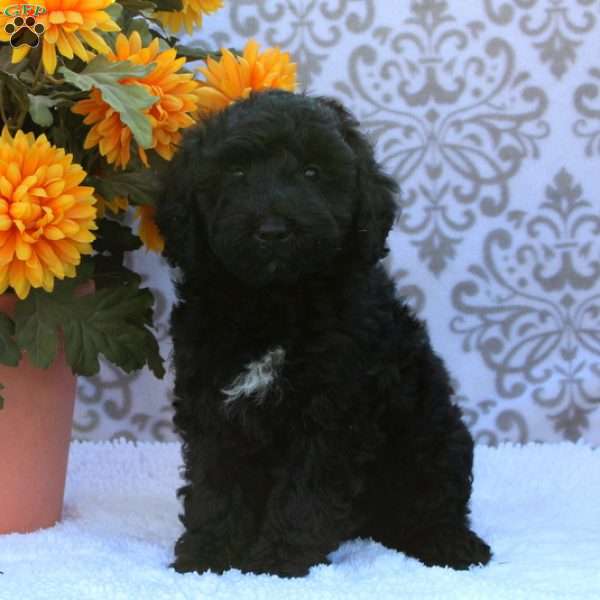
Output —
<point x="488" y="114"/>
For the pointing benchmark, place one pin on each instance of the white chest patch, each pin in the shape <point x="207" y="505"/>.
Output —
<point x="256" y="378"/>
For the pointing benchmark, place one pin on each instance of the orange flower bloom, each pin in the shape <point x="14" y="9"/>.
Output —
<point x="169" y="114"/>
<point x="115" y="206"/>
<point x="189" y="16"/>
<point x="46" y="217"/>
<point x="234" y="77"/>
<point x="148" y="232"/>
<point x="68" y="27"/>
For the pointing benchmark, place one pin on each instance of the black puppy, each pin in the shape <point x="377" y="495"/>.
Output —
<point x="311" y="405"/>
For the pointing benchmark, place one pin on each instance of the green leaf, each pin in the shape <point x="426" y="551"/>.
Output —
<point x="141" y="187"/>
<point x="6" y="64"/>
<point x="128" y="100"/>
<point x="135" y="6"/>
<point x="36" y="321"/>
<point x="9" y="351"/>
<point x="114" y="322"/>
<point x="141" y="26"/>
<point x="16" y="89"/>
<point x="39" y="109"/>
<point x="69" y="132"/>
<point x="85" y="272"/>
<point x="169" y="5"/>
<point x="193" y="53"/>
<point x="115" y="11"/>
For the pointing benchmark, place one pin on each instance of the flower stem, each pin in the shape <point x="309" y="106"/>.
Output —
<point x="21" y="119"/>
<point x="2" y="112"/>
<point x="36" y="77"/>
<point x="54" y="80"/>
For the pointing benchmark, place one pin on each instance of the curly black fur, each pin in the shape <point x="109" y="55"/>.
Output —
<point x="356" y="434"/>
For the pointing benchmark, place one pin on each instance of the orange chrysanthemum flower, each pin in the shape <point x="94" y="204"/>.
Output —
<point x="148" y="231"/>
<point x="235" y="77"/>
<point x="115" y="206"/>
<point x="46" y="217"/>
<point x="69" y="27"/>
<point x="168" y="115"/>
<point x="189" y="16"/>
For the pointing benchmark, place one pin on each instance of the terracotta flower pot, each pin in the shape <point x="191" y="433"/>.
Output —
<point x="35" y="432"/>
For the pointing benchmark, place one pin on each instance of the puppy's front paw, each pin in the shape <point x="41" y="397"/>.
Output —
<point x="186" y="564"/>
<point x="192" y="555"/>
<point x="458" y="549"/>
<point x="268" y="558"/>
<point x="287" y="569"/>
<point x="197" y="564"/>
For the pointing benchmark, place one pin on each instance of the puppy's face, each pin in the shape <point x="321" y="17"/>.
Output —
<point x="284" y="198"/>
<point x="275" y="185"/>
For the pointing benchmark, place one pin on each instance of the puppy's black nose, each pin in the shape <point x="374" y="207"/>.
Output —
<point x="273" y="229"/>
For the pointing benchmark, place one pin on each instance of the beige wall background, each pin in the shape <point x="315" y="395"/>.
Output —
<point x="488" y="114"/>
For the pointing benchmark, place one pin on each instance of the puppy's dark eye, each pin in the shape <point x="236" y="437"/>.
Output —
<point x="311" y="172"/>
<point x="238" y="172"/>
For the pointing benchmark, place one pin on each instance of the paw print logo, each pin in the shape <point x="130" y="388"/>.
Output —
<point x="24" y="31"/>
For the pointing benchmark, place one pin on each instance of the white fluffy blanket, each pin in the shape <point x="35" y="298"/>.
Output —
<point x="538" y="506"/>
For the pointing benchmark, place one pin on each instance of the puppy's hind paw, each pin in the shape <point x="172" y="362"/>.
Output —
<point x="458" y="549"/>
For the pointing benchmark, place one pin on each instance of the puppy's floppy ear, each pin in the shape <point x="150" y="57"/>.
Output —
<point x="377" y="191"/>
<point x="176" y="213"/>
